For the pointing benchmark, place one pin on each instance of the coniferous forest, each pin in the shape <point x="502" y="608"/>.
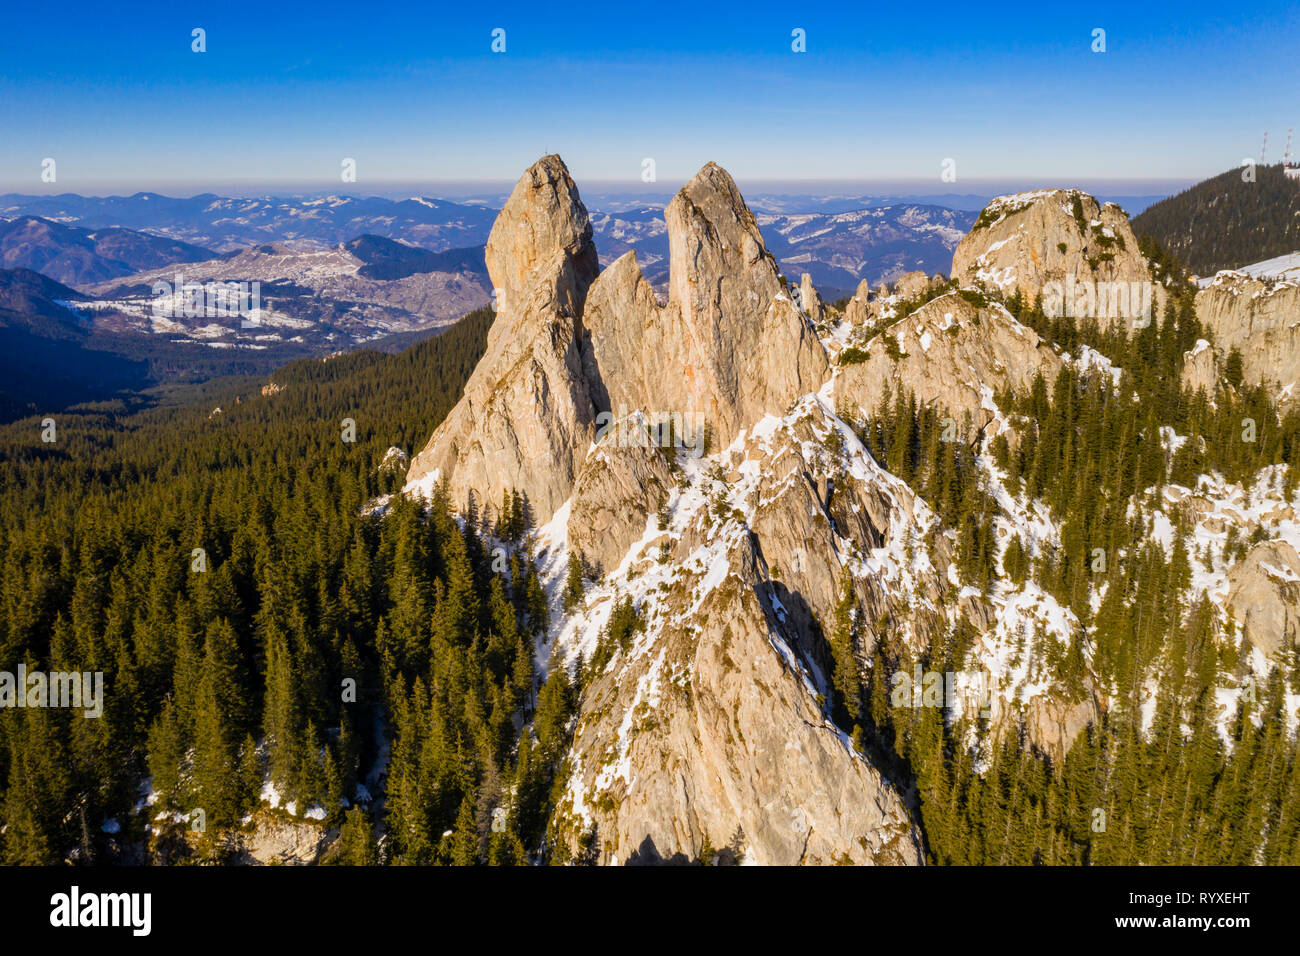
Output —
<point x="261" y="631"/>
<point x="1243" y="216"/>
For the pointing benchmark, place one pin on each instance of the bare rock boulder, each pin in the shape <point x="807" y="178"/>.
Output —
<point x="1264" y="593"/>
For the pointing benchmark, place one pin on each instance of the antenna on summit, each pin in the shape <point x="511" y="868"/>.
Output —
<point x="1263" y="151"/>
<point x="1290" y="168"/>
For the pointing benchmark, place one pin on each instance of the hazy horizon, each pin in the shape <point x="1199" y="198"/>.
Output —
<point x="497" y="189"/>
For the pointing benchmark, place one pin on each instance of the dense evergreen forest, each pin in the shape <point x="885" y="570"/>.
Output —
<point x="254" y="622"/>
<point x="1228" y="221"/>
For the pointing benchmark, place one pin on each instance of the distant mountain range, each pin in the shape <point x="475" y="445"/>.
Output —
<point x="226" y="224"/>
<point x="837" y="249"/>
<point x="78" y="256"/>
<point x="328" y="298"/>
<point x="1228" y="221"/>
<point x="64" y="345"/>
<point x="838" y="241"/>
<point x="337" y="273"/>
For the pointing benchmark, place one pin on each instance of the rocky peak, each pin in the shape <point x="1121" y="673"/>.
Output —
<point x="810" y="299"/>
<point x="1081" y="256"/>
<point x="859" y="310"/>
<point x="542" y="220"/>
<point x="526" y="418"/>
<point x="729" y="345"/>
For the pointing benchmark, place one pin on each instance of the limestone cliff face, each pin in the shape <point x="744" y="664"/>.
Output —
<point x="949" y="352"/>
<point x="624" y="481"/>
<point x="718" y="740"/>
<point x="819" y="516"/>
<point x="1202" y="368"/>
<point x="526" y="418"/>
<point x="1261" y="319"/>
<point x="729" y="345"/>
<point x="1264" y="593"/>
<point x="710" y="729"/>
<point x="1081" y="256"/>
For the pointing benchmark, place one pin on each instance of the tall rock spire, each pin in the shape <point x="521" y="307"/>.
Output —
<point x="729" y="346"/>
<point x="526" y="418"/>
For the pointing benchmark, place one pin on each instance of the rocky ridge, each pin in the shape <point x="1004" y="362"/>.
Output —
<point x="711" y="728"/>
<point x="952" y="352"/>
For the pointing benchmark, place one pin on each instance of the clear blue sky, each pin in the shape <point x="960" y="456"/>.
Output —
<point x="413" y="92"/>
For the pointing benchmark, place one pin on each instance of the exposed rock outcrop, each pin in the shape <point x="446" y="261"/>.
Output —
<point x="281" y="842"/>
<point x="911" y="284"/>
<point x="1202" y="370"/>
<point x="710" y="728"/>
<point x="624" y="481"/>
<point x="810" y="300"/>
<point x="1052" y="724"/>
<point x="1264" y="593"/>
<point x="817" y="513"/>
<point x="949" y="352"/>
<point x="1079" y="255"/>
<point x="713" y="737"/>
<point x="1259" y="318"/>
<point x="859" y="309"/>
<point x="736" y="344"/>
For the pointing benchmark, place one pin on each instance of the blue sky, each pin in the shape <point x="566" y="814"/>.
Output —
<point x="414" y="94"/>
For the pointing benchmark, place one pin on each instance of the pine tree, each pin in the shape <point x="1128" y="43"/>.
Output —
<point x="465" y="835"/>
<point x="843" y="645"/>
<point x="574" y="589"/>
<point x="219" y="722"/>
<point x="356" y="843"/>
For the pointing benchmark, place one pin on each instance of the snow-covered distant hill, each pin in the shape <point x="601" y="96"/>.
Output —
<point x="878" y="244"/>
<point x="227" y="224"/>
<point x="306" y="295"/>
